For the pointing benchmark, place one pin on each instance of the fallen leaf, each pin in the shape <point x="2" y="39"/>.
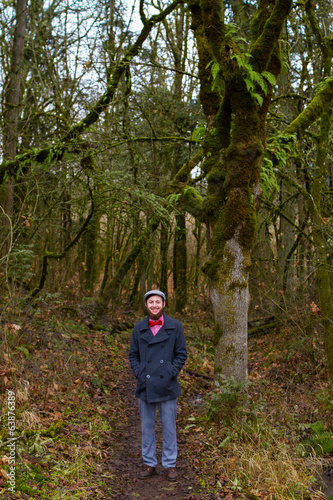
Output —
<point x="4" y="474"/>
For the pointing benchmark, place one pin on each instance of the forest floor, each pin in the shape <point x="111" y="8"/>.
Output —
<point x="78" y="435"/>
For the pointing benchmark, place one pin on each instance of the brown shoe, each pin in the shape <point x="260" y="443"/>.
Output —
<point x="147" y="472"/>
<point x="171" y="474"/>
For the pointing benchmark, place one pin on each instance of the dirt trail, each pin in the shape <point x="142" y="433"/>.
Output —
<point x="125" y="460"/>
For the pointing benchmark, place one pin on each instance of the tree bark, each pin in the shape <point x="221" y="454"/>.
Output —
<point x="11" y="108"/>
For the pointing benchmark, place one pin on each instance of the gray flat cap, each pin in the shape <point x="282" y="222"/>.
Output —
<point x="154" y="292"/>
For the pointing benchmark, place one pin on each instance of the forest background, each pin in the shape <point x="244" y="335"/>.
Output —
<point x="182" y="146"/>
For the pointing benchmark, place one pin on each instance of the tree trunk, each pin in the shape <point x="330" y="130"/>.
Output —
<point x="11" y="108"/>
<point x="197" y="235"/>
<point x="180" y="262"/>
<point x="230" y="299"/>
<point x="324" y="290"/>
<point x="164" y="246"/>
<point x="232" y="164"/>
<point x="90" y="241"/>
<point x="180" y="236"/>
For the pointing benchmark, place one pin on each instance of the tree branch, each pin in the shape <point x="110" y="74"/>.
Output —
<point x="313" y="111"/>
<point x="55" y="255"/>
<point x="263" y="47"/>
<point x="55" y="152"/>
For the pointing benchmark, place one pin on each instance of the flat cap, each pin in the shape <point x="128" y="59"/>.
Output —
<point x="154" y="292"/>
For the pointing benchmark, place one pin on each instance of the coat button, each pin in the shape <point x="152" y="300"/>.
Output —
<point x="161" y="361"/>
<point x="148" y="376"/>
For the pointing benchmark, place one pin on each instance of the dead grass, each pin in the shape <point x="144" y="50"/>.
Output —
<point x="274" y="469"/>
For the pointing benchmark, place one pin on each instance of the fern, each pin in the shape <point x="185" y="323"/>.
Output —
<point x="252" y="78"/>
<point x="269" y="77"/>
<point x="249" y="84"/>
<point x="258" y="98"/>
<point x="199" y="131"/>
<point x="215" y="69"/>
<point x="268" y="181"/>
<point x="283" y="146"/>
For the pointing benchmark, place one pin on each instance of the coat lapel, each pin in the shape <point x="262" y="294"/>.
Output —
<point x="162" y="334"/>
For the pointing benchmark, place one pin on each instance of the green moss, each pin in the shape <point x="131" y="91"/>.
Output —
<point x="24" y="488"/>
<point x="211" y="205"/>
<point x="218" y="332"/>
<point x="210" y="143"/>
<point x="210" y="99"/>
<point x="241" y="159"/>
<point x="3" y="433"/>
<point x="54" y="429"/>
<point x="314" y="110"/>
<point x="238" y="213"/>
<point x="209" y="163"/>
<point x="192" y="202"/>
<point x="242" y="216"/>
<point x="216" y="176"/>
<point x="319" y="439"/>
<point x="266" y="30"/>
<point x="211" y="267"/>
<point x="223" y="124"/>
<point x="37" y="474"/>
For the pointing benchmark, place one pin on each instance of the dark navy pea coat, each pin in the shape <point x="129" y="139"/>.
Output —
<point x="157" y="360"/>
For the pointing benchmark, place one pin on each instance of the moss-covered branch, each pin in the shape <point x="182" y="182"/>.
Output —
<point x="314" y="23"/>
<point x="324" y="42"/>
<point x="189" y="199"/>
<point x="289" y="95"/>
<point x="108" y="95"/>
<point x="215" y="30"/>
<point x="313" y="111"/>
<point x="210" y="99"/>
<point x="182" y="174"/>
<point x="192" y="202"/>
<point x="265" y="43"/>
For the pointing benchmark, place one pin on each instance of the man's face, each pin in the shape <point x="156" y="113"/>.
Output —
<point x="155" y="306"/>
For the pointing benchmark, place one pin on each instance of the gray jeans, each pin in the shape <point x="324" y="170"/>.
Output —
<point x="168" y="412"/>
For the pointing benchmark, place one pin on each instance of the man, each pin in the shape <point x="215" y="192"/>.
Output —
<point x="157" y="354"/>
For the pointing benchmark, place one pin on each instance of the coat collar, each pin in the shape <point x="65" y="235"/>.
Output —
<point x="163" y="333"/>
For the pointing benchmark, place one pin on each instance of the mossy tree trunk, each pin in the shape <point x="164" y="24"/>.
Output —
<point x="233" y="147"/>
<point x="178" y="46"/>
<point x="324" y="289"/>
